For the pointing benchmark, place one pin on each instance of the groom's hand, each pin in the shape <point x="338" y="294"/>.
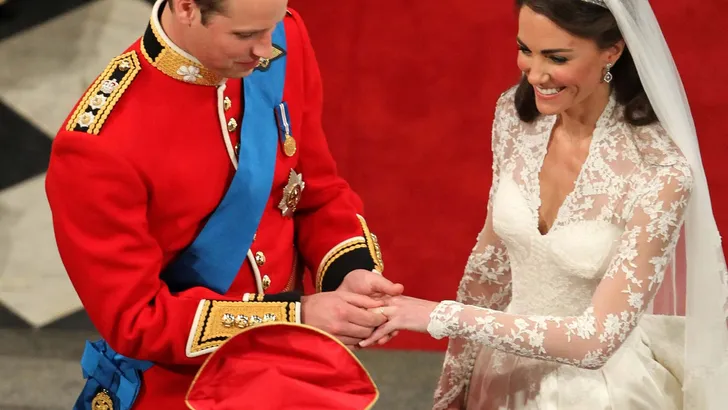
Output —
<point x="342" y="314"/>
<point x="374" y="285"/>
<point x="370" y="284"/>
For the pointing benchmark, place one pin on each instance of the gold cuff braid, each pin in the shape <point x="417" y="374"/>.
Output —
<point x="373" y="245"/>
<point x="354" y="253"/>
<point x="216" y="321"/>
<point x="338" y="251"/>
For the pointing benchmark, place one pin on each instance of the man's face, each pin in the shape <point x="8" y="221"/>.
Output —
<point x="232" y="42"/>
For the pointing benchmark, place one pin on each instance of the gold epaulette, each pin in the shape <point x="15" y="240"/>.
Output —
<point x="217" y="320"/>
<point x="102" y="96"/>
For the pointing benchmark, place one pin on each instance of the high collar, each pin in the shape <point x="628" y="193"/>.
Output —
<point x="170" y="59"/>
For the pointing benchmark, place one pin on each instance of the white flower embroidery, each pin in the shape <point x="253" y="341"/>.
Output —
<point x="86" y="119"/>
<point x="97" y="101"/>
<point x="535" y="339"/>
<point x="189" y="73"/>
<point x="635" y="299"/>
<point x="612" y="325"/>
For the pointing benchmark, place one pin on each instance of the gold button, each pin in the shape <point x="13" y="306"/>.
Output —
<point x="226" y="103"/>
<point x="260" y="258"/>
<point x="241" y="321"/>
<point x="228" y="320"/>
<point x="232" y="125"/>
<point x="266" y="282"/>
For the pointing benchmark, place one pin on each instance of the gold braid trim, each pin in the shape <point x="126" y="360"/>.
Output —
<point x="96" y="105"/>
<point x="336" y="253"/>
<point x="216" y="321"/>
<point x="293" y="279"/>
<point x="373" y="245"/>
<point x="177" y="66"/>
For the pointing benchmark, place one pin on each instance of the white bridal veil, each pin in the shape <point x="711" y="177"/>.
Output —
<point x="696" y="285"/>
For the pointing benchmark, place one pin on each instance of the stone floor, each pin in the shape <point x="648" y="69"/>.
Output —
<point x="50" y="52"/>
<point x="40" y="370"/>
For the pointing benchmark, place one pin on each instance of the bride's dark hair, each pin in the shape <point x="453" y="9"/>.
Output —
<point x="587" y="20"/>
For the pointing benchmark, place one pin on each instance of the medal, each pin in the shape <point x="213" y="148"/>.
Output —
<point x="289" y="143"/>
<point x="291" y="194"/>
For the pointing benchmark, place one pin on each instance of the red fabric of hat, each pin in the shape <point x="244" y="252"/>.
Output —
<point x="282" y="366"/>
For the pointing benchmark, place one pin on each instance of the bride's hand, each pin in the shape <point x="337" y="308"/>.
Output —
<point x="403" y="313"/>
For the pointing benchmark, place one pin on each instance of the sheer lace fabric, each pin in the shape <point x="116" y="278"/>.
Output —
<point x="572" y="295"/>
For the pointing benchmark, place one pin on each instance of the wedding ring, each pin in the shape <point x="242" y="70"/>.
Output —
<point x="381" y="310"/>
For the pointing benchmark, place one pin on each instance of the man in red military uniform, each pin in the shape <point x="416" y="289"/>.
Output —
<point x="190" y="186"/>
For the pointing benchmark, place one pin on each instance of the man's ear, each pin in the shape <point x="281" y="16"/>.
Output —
<point x="185" y="11"/>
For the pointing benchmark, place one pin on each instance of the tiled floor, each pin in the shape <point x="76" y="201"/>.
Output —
<point x="52" y="59"/>
<point x="49" y="52"/>
<point x="40" y="370"/>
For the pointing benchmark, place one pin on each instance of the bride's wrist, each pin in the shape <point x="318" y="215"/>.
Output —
<point x="442" y="318"/>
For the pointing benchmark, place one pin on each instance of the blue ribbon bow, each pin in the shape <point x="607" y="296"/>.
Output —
<point x="103" y="368"/>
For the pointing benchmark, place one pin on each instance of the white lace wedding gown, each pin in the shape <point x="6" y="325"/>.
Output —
<point x="555" y="320"/>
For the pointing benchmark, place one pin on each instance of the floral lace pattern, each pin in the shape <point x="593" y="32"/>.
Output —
<point x="631" y="195"/>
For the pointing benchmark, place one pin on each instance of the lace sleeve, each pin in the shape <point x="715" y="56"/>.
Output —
<point x="630" y="283"/>
<point x="485" y="283"/>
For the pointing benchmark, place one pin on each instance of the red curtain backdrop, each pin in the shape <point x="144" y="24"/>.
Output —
<point x="409" y="93"/>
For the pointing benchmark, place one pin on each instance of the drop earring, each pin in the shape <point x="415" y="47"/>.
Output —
<point x="608" y="77"/>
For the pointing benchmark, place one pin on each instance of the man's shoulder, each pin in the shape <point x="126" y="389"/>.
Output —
<point x="128" y="97"/>
<point x="108" y="95"/>
<point x="292" y="14"/>
<point x="294" y="25"/>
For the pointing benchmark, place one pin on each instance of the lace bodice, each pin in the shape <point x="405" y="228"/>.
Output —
<point x="574" y="294"/>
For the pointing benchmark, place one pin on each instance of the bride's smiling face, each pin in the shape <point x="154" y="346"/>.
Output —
<point x="563" y="69"/>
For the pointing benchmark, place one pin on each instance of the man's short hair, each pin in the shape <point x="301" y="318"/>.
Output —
<point x="207" y="8"/>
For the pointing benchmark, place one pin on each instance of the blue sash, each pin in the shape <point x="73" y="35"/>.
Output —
<point x="214" y="259"/>
<point x="104" y="369"/>
<point x="216" y="255"/>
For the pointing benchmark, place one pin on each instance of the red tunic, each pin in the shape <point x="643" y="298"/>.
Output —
<point x="131" y="186"/>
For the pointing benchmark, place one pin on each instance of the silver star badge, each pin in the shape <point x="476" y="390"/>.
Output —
<point x="291" y="194"/>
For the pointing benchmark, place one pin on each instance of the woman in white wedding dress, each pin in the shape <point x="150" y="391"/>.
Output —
<point x="586" y="207"/>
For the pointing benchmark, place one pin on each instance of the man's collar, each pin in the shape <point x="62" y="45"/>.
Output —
<point x="168" y="58"/>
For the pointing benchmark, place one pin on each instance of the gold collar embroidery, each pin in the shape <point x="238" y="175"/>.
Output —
<point x="164" y="55"/>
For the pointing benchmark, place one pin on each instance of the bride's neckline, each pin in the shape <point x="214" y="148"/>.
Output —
<point x="598" y="135"/>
